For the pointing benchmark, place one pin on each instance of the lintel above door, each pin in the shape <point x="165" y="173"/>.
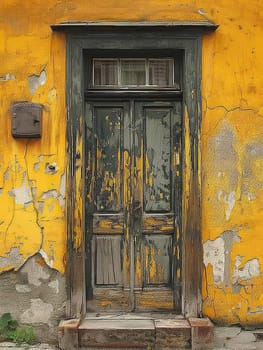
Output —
<point x="202" y="25"/>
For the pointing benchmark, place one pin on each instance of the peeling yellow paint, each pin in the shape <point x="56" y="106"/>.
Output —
<point x="186" y="168"/>
<point x="78" y="223"/>
<point x="32" y="213"/>
<point x="24" y="224"/>
<point x="105" y="303"/>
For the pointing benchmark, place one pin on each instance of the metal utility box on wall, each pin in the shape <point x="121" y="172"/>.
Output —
<point x="26" y="120"/>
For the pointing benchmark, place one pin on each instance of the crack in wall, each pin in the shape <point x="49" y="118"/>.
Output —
<point x="30" y="183"/>
<point x="226" y="112"/>
<point x="5" y="178"/>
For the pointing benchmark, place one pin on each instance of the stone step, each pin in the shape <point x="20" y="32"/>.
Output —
<point x="117" y="333"/>
<point x="135" y="333"/>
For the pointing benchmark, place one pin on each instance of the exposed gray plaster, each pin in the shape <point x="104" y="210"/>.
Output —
<point x="255" y="149"/>
<point x="12" y="258"/>
<point x="35" y="272"/>
<point x="22" y="288"/>
<point x="223" y="160"/>
<point x="61" y="201"/>
<point x="49" y="194"/>
<point x="257" y="310"/>
<point x="35" y="81"/>
<point x="16" y="295"/>
<point x="6" y="175"/>
<point x="22" y="194"/>
<point x="229" y="200"/>
<point x="54" y="285"/>
<point x="229" y="237"/>
<point x="218" y="253"/>
<point x="249" y="270"/>
<point x="39" y="312"/>
<point x="224" y="154"/>
<point x="32" y="194"/>
<point x="62" y="186"/>
<point x="62" y="190"/>
<point x="251" y="196"/>
<point x="7" y="77"/>
<point x="36" y="166"/>
<point x="252" y="179"/>
<point x="214" y="254"/>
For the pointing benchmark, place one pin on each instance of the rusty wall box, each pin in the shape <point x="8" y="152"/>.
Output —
<point x="26" y="118"/>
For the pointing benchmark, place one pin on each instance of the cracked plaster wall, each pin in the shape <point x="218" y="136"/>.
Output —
<point x="35" y="295"/>
<point x="32" y="172"/>
<point x="232" y="171"/>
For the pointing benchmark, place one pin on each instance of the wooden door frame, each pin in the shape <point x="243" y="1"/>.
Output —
<point x="135" y="36"/>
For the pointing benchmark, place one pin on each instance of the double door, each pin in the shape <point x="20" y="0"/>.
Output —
<point x="133" y="205"/>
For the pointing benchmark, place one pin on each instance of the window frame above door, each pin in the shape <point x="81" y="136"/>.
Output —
<point x="91" y="90"/>
<point x="134" y="36"/>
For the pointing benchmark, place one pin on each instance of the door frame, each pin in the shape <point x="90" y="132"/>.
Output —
<point x="135" y="36"/>
<point x="133" y="107"/>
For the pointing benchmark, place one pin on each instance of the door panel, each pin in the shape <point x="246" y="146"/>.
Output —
<point x="107" y="241"/>
<point x="158" y="253"/>
<point x="108" y="123"/>
<point x="133" y="184"/>
<point x="157" y="192"/>
<point x="108" y="261"/>
<point x="157" y="165"/>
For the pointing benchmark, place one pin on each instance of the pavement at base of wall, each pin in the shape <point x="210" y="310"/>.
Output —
<point x="226" y="338"/>
<point x="236" y="338"/>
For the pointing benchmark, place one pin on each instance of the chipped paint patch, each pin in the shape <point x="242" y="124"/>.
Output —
<point x="249" y="270"/>
<point x="22" y="194"/>
<point x="7" y="77"/>
<point x="217" y="254"/>
<point x="62" y="187"/>
<point x="39" y="312"/>
<point x="49" y="260"/>
<point x="214" y="254"/>
<point x="6" y="174"/>
<point x="12" y="258"/>
<point x="229" y="200"/>
<point x="35" y="272"/>
<point x="50" y="194"/>
<point x="35" y="81"/>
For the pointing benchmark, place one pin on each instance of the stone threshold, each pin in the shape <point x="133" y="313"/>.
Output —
<point x="135" y="331"/>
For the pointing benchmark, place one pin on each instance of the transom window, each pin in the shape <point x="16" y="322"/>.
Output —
<point x="134" y="72"/>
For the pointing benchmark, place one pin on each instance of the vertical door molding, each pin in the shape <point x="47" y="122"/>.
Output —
<point x="113" y="36"/>
<point x="75" y="182"/>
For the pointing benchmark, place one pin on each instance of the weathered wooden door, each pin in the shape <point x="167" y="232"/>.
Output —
<point x="133" y="205"/>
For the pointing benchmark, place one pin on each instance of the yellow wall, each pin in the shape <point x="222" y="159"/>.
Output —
<point x="32" y="208"/>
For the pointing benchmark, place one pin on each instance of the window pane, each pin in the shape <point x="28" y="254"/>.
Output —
<point x="105" y="72"/>
<point x="161" y="72"/>
<point x="133" y="72"/>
